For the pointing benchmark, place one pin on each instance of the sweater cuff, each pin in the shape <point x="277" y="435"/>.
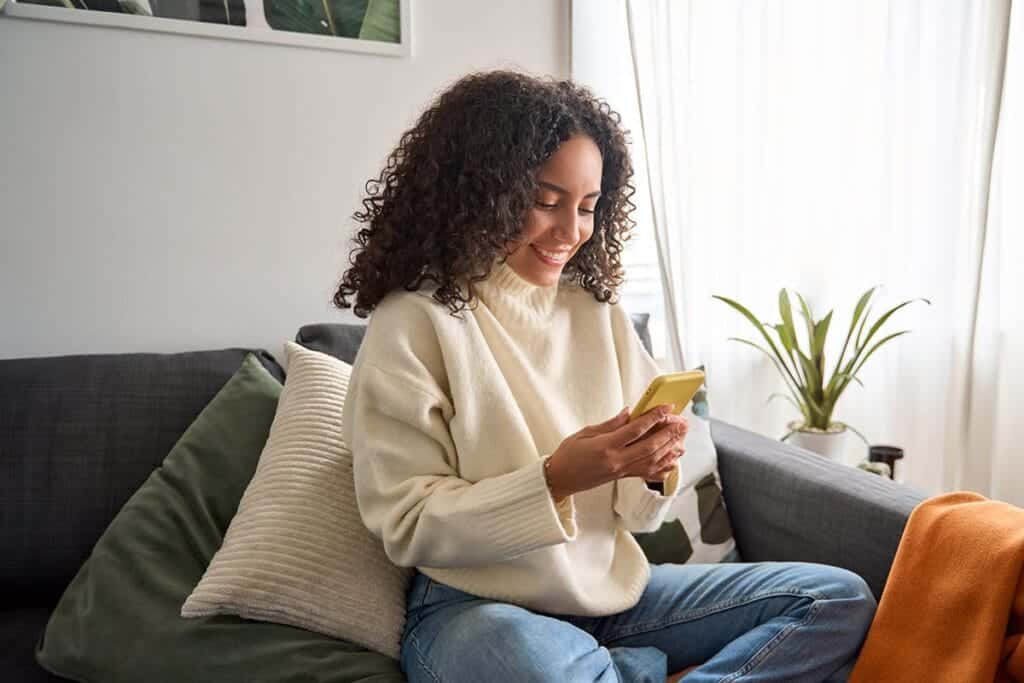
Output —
<point x="672" y="483"/>
<point x="524" y="515"/>
<point x="643" y="509"/>
<point x="567" y="515"/>
<point x="651" y="501"/>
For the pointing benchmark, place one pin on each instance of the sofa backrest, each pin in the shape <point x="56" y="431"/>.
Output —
<point x="78" y="436"/>
<point x="340" y="340"/>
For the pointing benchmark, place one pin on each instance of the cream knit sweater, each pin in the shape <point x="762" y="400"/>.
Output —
<point x="449" y="418"/>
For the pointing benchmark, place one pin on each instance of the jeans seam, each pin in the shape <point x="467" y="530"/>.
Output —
<point x="635" y="629"/>
<point x="426" y="591"/>
<point x="768" y="648"/>
<point x="420" y="658"/>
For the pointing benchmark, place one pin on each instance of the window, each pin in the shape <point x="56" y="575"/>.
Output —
<point x="601" y="61"/>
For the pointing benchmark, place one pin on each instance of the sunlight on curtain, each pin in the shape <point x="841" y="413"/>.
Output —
<point x="818" y="146"/>
<point x="997" y="420"/>
<point x="600" y="55"/>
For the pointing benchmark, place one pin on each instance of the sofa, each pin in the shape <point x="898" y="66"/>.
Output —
<point x="79" y="434"/>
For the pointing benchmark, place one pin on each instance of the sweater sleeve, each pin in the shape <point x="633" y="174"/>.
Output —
<point x="409" y="492"/>
<point x="640" y="508"/>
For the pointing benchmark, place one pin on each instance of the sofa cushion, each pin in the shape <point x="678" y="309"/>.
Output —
<point x="119" y="619"/>
<point x="297" y="551"/>
<point x="79" y="434"/>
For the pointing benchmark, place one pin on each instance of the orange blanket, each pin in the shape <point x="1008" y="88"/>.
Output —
<point x="953" y="607"/>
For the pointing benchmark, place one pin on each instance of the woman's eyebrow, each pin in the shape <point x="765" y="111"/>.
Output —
<point x="556" y="188"/>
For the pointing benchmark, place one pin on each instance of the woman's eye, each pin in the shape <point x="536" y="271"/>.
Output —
<point x="552" y="206"/>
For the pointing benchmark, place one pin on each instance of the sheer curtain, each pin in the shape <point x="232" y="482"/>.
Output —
<point x="986" y="451"/>
<point x="824" y="147"/>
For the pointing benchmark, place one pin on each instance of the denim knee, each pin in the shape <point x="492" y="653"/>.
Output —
<point x="497" y="641"/>
<point x="853" y="591"/>
<point x="537" y="649"/>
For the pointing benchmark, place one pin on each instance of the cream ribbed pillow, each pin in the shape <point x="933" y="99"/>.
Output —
<point x="297" y="552"/>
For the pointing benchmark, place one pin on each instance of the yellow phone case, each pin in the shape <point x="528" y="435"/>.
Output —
<point x="674" y="388"/>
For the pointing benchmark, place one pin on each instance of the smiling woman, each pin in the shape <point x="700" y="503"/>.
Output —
<point x="484" y="415"/>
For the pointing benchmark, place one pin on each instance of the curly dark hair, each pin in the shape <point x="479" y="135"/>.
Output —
<point x="460" y="182"/>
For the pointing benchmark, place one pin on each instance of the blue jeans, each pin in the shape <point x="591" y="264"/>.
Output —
<point x="764" y="621"/>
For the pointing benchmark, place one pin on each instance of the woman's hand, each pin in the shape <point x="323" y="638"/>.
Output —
<point x="646" y="447"/>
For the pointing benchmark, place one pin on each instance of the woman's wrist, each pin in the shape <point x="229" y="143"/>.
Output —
<point x="557" y="494"/>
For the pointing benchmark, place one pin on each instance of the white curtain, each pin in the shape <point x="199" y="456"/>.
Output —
<point x="828" y="147"/>
<point x="986" y="399"/>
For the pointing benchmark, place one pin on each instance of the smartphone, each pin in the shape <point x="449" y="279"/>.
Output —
<point x="674" y="388"/>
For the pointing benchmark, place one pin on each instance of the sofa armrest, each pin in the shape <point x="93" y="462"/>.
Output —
<point x="789" y="504"/>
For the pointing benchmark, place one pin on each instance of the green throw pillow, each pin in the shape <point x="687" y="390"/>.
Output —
<point x="119" y="618"/>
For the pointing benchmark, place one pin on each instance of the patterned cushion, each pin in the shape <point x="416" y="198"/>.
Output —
<point x="697" y="527"/>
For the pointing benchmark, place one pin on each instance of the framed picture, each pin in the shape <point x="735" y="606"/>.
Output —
<point x="374" y="26"/>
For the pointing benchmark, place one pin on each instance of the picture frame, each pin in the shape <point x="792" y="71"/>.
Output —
<point x="329" y="23"/>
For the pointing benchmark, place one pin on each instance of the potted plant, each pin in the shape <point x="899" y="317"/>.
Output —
<point x="814" y="395"/>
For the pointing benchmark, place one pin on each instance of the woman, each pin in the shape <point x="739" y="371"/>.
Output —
<point x="489" y="449"/>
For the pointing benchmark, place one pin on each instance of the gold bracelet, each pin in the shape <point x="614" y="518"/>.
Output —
<point x="547" y="478"/>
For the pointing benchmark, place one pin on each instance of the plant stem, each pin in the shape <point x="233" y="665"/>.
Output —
<point x="330" y="17"/>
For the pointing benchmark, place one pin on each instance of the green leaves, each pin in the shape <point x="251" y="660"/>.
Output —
<point x="750" y="316"/>
<point x="382" y="22"/>
<point x="804" y="374"/>
<point x="363" y="19"/>
<point x="787" y="320"/>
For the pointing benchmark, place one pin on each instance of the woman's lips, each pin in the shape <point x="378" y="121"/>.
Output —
<point x="547" y="260"/>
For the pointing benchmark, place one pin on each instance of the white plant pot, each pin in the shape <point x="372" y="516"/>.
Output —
<point x="827" y="444"/>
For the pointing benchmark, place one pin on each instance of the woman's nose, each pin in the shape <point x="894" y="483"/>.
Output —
<point x="568" y="228"/>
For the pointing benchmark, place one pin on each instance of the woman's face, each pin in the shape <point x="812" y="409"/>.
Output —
<point x="562" y="217"/>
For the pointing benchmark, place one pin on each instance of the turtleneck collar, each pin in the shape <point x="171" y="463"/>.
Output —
<point x="507" y="293"/>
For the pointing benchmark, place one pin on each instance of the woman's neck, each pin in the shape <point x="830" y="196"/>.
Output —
<point x="512" y="296"/>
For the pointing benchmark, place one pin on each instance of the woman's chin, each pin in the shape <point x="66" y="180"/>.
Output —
<point x="542" y="277"/>
<point x="537" y="272"/>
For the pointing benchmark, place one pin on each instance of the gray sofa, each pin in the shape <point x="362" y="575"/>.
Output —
<point x="79" y="434"/>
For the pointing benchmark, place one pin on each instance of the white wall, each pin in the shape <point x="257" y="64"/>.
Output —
<point x="169" y="193"/>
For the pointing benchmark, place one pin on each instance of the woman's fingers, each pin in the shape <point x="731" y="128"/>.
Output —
<point x="663" y="473"/>
<point x="667" y="462"/>
<point x="635" y="429"/>
<point x="655" y="444"/>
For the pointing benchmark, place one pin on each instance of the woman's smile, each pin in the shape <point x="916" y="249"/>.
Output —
<point x="554" y="258"/>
